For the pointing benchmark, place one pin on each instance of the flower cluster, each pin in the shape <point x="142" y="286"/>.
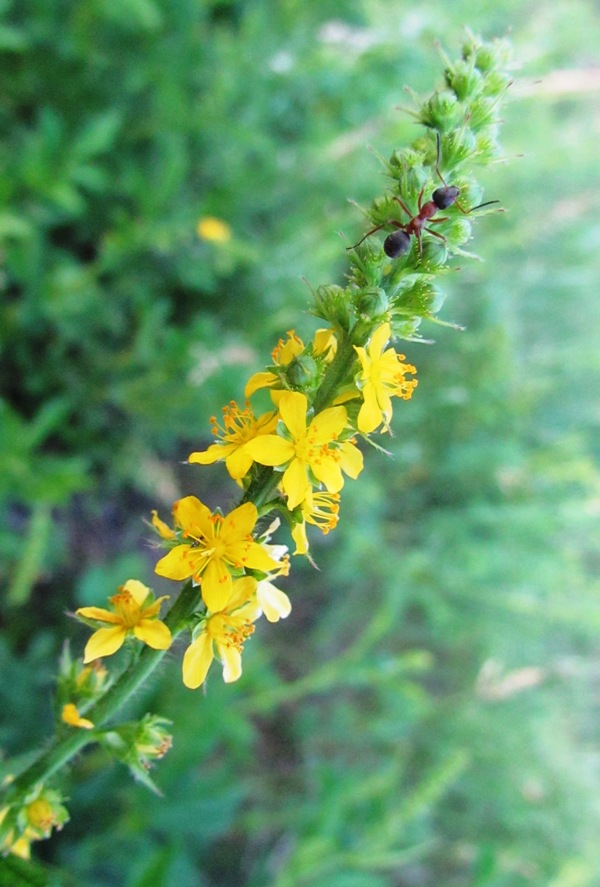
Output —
<point x="328" y="398"/>
<point x="327" y="395"/>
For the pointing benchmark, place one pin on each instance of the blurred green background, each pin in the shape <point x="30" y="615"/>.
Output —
<point x="429" y="714"/>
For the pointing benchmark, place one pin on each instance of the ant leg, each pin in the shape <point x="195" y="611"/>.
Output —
<point x="404" y="206"/>
<point x="441" y="219"/>
<point x="373" y="230"/>
<point x="435" y="233"/>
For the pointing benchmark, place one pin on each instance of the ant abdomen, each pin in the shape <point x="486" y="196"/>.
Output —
<point x="396" y="244"/>
<point x="446" y="196"/>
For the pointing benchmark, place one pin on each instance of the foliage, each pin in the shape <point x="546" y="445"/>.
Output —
<point x="431" y="760"/>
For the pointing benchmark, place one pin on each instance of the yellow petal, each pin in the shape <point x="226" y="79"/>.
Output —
<point x="154" y="633"/>
<point x="212" y="454"/>
<point x="138" y="591"/>
<point x="379" y="340"/>
<point x="329" y="472"/>
<point x="176" y="564"/>
<point x="257" y="558"/>
<point x="238" y="463"/>
<point x="369" y="416"/>
<point x="161" y="527"/>
<point x="104" y="642"/>
<point x="295" y="483"/>
<point x="270" y="449"/>
<point x="192" y="515"/>
<point x="351" y="459"/>
<point x="239" y="523"/>
<point x="274" y="603"/>
<point x="259" y="380"/>
<point x="292" y="408"/>
<point x="232" y="663"/>
<point x="243" y="591"/>
<point x="71" y="716"/>
<point x="197" y="660"/>
<point x="328" y="425"/>
<point x="98" y="613"/>
<point x="300" y="538"/>
<point x="217" y="585"/>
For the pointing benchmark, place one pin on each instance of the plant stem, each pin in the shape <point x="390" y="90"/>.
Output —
<point x="61" y="751"/>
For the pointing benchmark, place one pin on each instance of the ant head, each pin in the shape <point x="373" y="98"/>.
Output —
<point x="446" y="196"/>
<point x="396" y="244"/>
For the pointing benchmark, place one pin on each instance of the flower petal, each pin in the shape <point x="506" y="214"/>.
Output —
<point x="177" y="564"/>
<point x="274" y="603"/>
<point x="216" y="585"/>
<point x="259" y="380"/>
<point x="379" y="340"/>
<point x="329" y="472"/>
<point x="295" y="483"/>
<point x="138" y="591"/>
<point x="238" y="463"/>
<point x="192" y="515"/>
<point x="292" y="409"/>
<point x="369" y="416"/>
<point x="239" y="523"/>
<point x="98" y="613"/>
<point x="328" y="425"/>
<point x="104" y="642"/>
<point x="196" y="661"/>
<point x="212" y="454"/>
<point x="154" y="633"/>
<point x="351" y="459"/>
<point x="270" y="449"/>
<point x="232" y="663"/>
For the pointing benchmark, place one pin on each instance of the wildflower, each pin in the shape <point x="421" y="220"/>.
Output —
<point x="319" y="509"/>
<point x="71" y="716"/>
<point x="283" y="354"/>
<point x="307" y="450"/>
<point x="212" y="546"/>
<point x="134" y="611"/>
<point x="215" y="230"/>
<point x="223" y="634"/>
<point x="239" y="426"/>
<point x="382" y="378"/>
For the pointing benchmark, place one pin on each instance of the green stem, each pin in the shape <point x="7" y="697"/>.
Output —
<point x="337" y="372"/>
<point x="61" y="751"/>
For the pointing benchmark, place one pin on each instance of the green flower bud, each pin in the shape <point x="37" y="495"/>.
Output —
<point x="441" y="111"/>
<point x="331" y="304"/>
<point x="463" y="79"/>
<point x="422" y="299"/>
<point x="302" y="371"/>
<point x="372" y="303"/>
<point x="458" y="231"/>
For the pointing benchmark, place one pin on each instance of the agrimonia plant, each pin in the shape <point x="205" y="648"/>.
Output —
<point x="290" y="462"/>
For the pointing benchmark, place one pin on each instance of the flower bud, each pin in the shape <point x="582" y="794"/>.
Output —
<point x="372" y="303"/>
<point x="463" y="79"/>
<point x="441" y="111"/>
<point x="302" y="371"/>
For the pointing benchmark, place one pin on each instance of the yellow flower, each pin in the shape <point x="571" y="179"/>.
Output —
<point x="239" y="426"/>
<point x="214" y="545"/>
<point x="210" y="228"/>
<point x="283" y="354"/>
<point x="134" y="611"/>
<point x="71" y="716"/>
<point x="308" y="451"/>
<point x="319" y="509"/>
<point x="223" y="633"/>
<point x="382" y="378"/>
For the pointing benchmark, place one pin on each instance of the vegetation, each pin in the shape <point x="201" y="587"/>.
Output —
<point x="427" y="714"/>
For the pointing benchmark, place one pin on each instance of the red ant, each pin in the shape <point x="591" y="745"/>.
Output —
<point x="398" y="242"/>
